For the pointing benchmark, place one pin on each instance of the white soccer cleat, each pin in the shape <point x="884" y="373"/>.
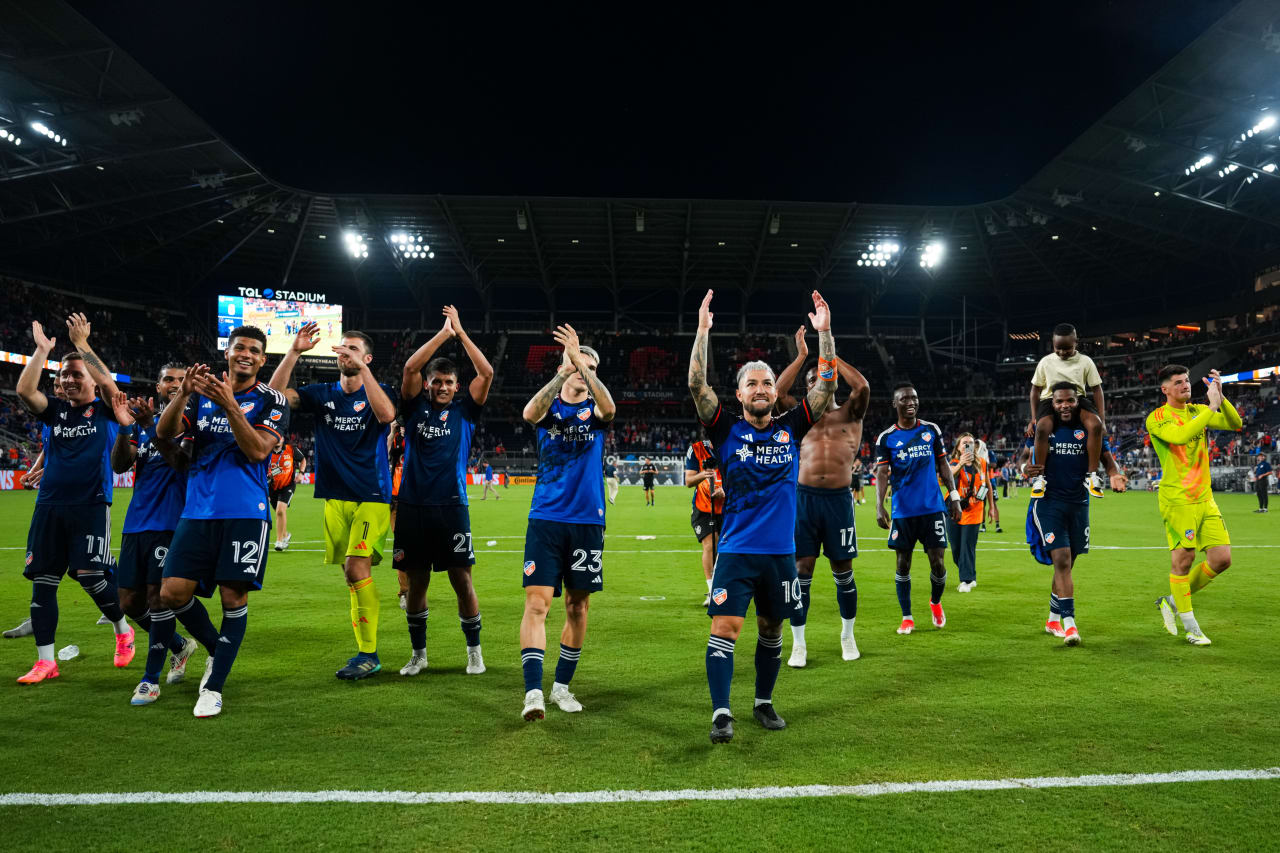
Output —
<point x="145" y="693"/>
<point x="279" y="545"/>
<point x="706" y="602"/>
<point x="208" y="671"/>
<point x="287" y="539"/>
<point x="534" y="707"/>
<point x="564" y="699"/>
<point x="1168" y="613"/>
<point x="799" y="656"/>
<point x="103" y="620"/>
<point x="1197" y="638"/>
<point x="23" y="629"/>
<point x="416" y="664"/>
<point x="1038" y="486"/>
<point x="209" y="704"/>
<point x="475" y="660"/>
<point x="178" y="663"/>
<point x="849" y="648"/>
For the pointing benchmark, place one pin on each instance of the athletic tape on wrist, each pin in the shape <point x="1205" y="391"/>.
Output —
<point x="826" y="369"/>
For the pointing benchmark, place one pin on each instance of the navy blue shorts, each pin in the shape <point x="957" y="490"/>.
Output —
<point x="142" y="557"/>
<point x="768" y="579"/>
<point x="557" y="552"/>
<point x="929" y="530"/>
<point x="437" y="538"/>
<point x="1061" y="525"/>
<point x="218" y="551"/>
<point x="824" y="519"/>
<point x="69" y="537"/>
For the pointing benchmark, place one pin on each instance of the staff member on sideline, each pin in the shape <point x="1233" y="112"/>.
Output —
<point x="1262" y="475"/>
<point x="284" y="471"/>
<point x="973" y="482"/>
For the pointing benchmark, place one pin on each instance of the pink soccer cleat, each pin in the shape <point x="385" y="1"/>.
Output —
<point x="42" y="670"/>
<point x="1054" y="627"/>
<point x="908" y="625"/>
<point x="939" y="618"/>
<point x="1072" y="636"/>
<point x="124" y="648"/>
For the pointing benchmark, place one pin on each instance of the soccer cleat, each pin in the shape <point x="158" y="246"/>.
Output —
<point x="939" y="618"/>
<point x="722" y="729"/>
<point x="1054" y="627"/>
<point x="1168" y="613"/>
<point x="360" y="666"/>
<point x="799" y="655"/>
<point x="534" y="707"/>
<point x="417" y="663"/>
<point x="767" y="717"/>
<point x="24" y="629"/>
<point x="279" y="545"/>
<point x="849" y="648"/>
<point x="564" y="699"/>
<point x="103" y="620"/>
<point x="404" y="603"/>
<point x="908" y="625"/>
<point x="706" y="602"/>
<point x="1037" y="487"/>
<point x="208" y="671"/>
<point x="475" y="660"/>
<point x="1094" y="483"/>
<point x="963" y="587"/>
<point x="124" y="648"/>
<point x="1195" y="638"/>
<point x="208" y="705"/>
<point x="42" y="670"/>
<point x="999" y="529"/>
<point x="145" y="693"/>
<point x="287" y="539"/>
<point x="1071" y="637"/>
<point x="178" y="664"/>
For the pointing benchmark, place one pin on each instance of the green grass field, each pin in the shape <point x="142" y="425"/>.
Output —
<point x="990" y="696"/>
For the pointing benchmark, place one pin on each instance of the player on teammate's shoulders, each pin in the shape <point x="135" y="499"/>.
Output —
<point x="824" y="498"/>
<point x="353" y="474"/>
<point x="1058" y="523"/>
<point x="703" y="476"/>
<point x="912" y="457"/>
<point x="284" y="470"/>
<point x="1192" y="520"/>
<point x="564" y="542"/>
<point x="758" y="457"/>
<point x="71" y="525"/>
<point x="433" y="524"/>
<point x="221" y="539"/>
<point x="1067" y="364"/>
<point x="648" y="471"/>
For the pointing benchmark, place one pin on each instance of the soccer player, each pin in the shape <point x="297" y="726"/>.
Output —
<point x="758" y="457"/>
<point x="487" y="479"/>
<point x="1058" y="523"/>
<point x="647" y="472"/>
<point x="221" y="538"/>
<point x="855" y="482"/>
<point x="1192" y="520"/>
<point x="611" y="481"/>
<point x="912" y="457"/>
<point x="824" y="499"/>
<point x="353" y="474"/>
<point x="433" y="532"/>
<point x="71" y="525"/>
<point x="1067" y="364"/>
<point x="1262" y="475"/>
<point x="564" y="542"/>
<point x="395" y="455"/>
<point x="283" y="473"/>
<point x="702" y="475"/>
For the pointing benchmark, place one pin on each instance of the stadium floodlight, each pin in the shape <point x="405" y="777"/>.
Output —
<point x="1199" y="164"/>
<point x="879" y="254"/>
<point x="410" y="246"/>
<point x="1270" y="167"/>
<point x="931" y="254"/>
<point x="356" y="244"/>
<point x="10" y="137"/>
<point x="44" y="130"/>
<point x="1227" y="170"/>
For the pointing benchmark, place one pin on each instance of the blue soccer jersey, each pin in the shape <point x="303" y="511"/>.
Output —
<point x="1067" y="465"/>
<point x="437" y="446"/>
<point x="760" y="468"/>
<point x="351" y="445"/>
<point x="1262" y="468"/>
<point x="159" y="491"/>
<point x="912" y="455"/>
<point x="570" y="456"/>
<point x="223" y="482"/>
<point x="77" y="453"/>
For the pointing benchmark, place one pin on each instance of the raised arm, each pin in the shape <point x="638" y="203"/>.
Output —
<point x="1170" y="432"/>
<point x="824" y="389"/>
<point x="538" y="406"/>
<point x="124" y="451"/>
<point x="479" y="387"/>
<point x="170" y="424"/>
<point x="859" y="389"/>
<point x="704" y="399"/>
<point x="307" y="338"/>
<point x="78" y="332"/>
<point x="253" y="443"/>
<point x="411" y="377"/>
<point x="350" y="355"/>
<point x="29" y="380"/>
<point x="171" y="450"/>
<point x="787" y="378"/>
<point x="568" y="338"/>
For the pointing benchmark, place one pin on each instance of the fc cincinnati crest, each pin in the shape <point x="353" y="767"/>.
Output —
<point x="530" y="567"/>
<point x="928" y="436"/>
<point x="275" y="416"/>
<point x="894" y="534"/>
<point x="358" y="406"/>
<point x="1190" y="534"/>
<point x="1079" y="434"/>
<point x="444" y="416"/>
<point x="246" y="407"/>
<point x="29" y="558"/>
<point x="584" y="414"/>
<point x="398" y="555"/>
<point x="88" y="413"/>
<point x="719" y="596"/>
<point x="782" y="436"/>
<point x="1048" y="538"/>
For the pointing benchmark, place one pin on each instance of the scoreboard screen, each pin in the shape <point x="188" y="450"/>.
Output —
<point x="281" y="320"/>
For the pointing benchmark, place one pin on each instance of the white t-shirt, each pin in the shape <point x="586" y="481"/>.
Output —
<point x="1079" y="370"/>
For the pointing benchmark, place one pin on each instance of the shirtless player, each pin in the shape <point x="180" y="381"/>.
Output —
<point x="824" y="504"/>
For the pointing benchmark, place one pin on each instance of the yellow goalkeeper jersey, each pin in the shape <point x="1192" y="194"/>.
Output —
<point x="1178" y="435"/>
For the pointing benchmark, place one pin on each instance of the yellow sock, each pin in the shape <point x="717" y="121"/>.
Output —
<point x="1180" y="586"/>
<point x="364" y="615"/>
<point x="1200" y="576"/>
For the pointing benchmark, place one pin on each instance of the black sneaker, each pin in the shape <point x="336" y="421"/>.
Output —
<point x="722" y="729"/>
<point x="767" y="717"/>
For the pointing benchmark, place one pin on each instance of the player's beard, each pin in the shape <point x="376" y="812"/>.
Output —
<point x="758" y="408"/>
<point x="349" y="370"/>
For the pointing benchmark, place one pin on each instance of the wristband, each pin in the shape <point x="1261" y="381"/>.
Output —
<point x="129" y="431"/>
<point x="826" y="369"/>
<point x="954" y="496"/>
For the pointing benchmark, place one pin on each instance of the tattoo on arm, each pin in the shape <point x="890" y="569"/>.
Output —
<point x="536" y="409"/>
<point x="599" y="393"/>
<point x="823" y="392"/>
<point x="704" y="399"/>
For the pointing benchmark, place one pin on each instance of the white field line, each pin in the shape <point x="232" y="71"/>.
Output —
<point x="877" y="789"/>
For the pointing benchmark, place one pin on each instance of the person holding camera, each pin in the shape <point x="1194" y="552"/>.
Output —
<point x="973" y="482"/>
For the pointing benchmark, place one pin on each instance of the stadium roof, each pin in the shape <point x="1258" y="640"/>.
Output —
<point x="145" y="198"/>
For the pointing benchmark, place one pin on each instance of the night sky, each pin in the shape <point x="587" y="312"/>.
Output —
<point x="912" y="105"/>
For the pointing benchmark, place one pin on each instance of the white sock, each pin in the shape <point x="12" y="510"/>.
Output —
<point x="718" y="711"/>
<point x="846" y="627"/>
<point x="797" y="635"/>
<point x="1189" y="623"/>
<point x="122" y="627"/>
<point x="760" y="702"/>
<point x="557" y="685"/>
<point x="708" y="584"/>
<point x="1068" y="622"/>
<point x="45" y="652"/>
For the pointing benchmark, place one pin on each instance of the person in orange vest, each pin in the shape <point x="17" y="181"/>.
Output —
<point x="284" y="471"/>
<point x="702" y="475"/>
<point x="973" y="482"/>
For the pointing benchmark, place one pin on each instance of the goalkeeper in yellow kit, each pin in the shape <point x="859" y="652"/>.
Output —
<point x="1192" y="520"/>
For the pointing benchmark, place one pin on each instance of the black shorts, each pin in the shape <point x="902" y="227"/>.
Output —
<point x="856" y="484"/>
<point x="929" y="530"/>
<point x="557" y="552"/>
<point x="142" y="557"/>
<point x="1045" y="407"/>
<point x="824" y="520"/>
<point x="435" y="538"/>
<point x="648" y="482"/>
<point x="219" y="551"/>
<point x="1061" y="525"/>
<point x="285" y="495"/>
<point x="69" y="537"/>
<point x="705" y="523"/>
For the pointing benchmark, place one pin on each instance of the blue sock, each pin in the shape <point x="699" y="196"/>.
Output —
<point x="418" y="630"/>
<point x="768" y="662"/>
<point x="938" y="585"/>
<point x="233" y="624"/>
<point x="471" y="629"/>
<point x="567" y="663"/>
<point x="801" y="616"/>
<point x="176" y="645"/>
<point x="1055" y="608"/>
<point x="197" y="621"/>
<point x="1068" y="607"/>
<point x="719" y="670"/>
<point x="44" y="608"/>
<point x="162" y="628"/>
<point x="904" y="593"/>
<point x="846" y="594"/>
<point x="531" y="662"/>
<point x="103" y="592"/>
